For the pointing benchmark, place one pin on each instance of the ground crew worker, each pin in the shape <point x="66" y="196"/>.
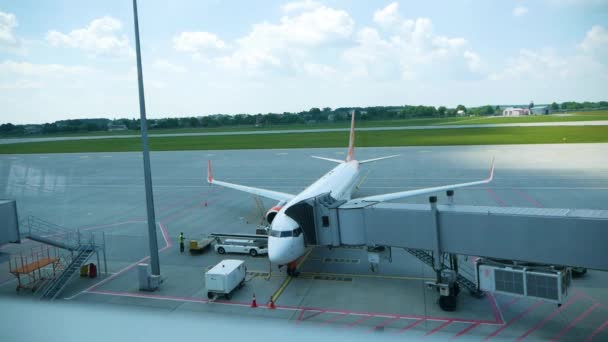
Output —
<point x="180" y="239"/>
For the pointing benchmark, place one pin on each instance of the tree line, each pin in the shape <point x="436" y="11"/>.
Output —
<point x="312" y="116"/>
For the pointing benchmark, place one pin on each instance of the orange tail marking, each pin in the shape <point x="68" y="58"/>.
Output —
<point x="351" y="141"/>
<point x="209" y="174"/>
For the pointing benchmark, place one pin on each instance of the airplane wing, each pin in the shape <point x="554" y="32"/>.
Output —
<point x="409" y="193"/>
<point x="279" y="196"/>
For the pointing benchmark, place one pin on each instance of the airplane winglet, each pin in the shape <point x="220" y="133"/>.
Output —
<point x="209" y="174"/>
<point x="491" y="171"/>
<point x="377" y="159"/>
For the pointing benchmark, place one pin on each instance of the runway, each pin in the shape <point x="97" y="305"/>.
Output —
<point x="391" y="128"/>
<point x="104" y="192"/>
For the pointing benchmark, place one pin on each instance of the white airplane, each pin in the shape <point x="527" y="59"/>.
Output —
<point x="286" y="240"/>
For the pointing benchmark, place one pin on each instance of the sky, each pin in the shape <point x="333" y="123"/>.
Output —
<point x="68" y="59"/>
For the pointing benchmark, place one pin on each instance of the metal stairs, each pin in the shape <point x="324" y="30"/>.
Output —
<point x="50" y="234"/>
<point x="81" y="246"/>
<point x="54" y="288"/>
<point x="462" y="281"/>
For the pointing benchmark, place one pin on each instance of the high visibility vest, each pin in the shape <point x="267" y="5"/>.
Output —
<point x="180" y="239"/>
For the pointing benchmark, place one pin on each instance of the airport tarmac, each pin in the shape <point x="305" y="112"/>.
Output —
<point x="103" y="192"/>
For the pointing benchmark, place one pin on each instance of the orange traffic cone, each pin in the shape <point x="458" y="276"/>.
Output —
<point x="271" y="304"/>
<point x="254" y="303"/>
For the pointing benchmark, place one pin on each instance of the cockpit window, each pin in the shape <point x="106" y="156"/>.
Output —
<point x="286" y="233"/>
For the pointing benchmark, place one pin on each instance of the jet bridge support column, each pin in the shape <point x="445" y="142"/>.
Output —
<point x="437" y="266"/>
<point x="445" y="281"/>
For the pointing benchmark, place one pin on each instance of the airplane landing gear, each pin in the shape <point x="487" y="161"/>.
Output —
<point x="292" y="269"/>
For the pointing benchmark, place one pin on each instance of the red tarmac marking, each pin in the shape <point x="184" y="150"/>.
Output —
<point x="528" y="198"/>
<point x="597" y="331"/>
<point x="312" y="315"/>
<point x="335" y="318"/>
<point x="385" y="323"/>
<point x="549" y="316"/>
<point x="380" y="314"/>
<point x="408" y="327"/>
<point x="112" y="224"/>
<point x="466" y="330"/>
<point x="168" y="244"/>
<point x="438" y="328"/>
<point x="359" y="321"/>
<point x="518" y="317"/>
<point x="496" y="197"/>
<point x="495" y="310"/>
<point x="575" y="321"/>
<point x="302" y="318"/>
<point x="511" y="302"/>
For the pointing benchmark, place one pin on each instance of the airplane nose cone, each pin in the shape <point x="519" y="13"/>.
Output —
<point x="279" y="250"/>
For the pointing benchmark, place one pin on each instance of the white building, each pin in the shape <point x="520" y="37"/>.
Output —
<point x="514" y="111"/>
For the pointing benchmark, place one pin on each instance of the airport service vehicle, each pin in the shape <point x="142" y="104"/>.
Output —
<point x="198" y="246"/>
<point x="224" y="278"/>
<point x="253" y="247"/>
<point x="286" y="241"/>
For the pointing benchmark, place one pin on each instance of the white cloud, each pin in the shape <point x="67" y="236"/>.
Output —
<point x="532" y="65"/>
<point x="388" y="15"/>
<point x="39" y="70"/>
<point x="321" y="26"/>
<point x="409" y="49"/>
<point x="320" y="70"/>
<point x="596" y="43"/>
<point x="473" y="61"/>
<point x="588" y="63"/>
<point x="197" y="42"/>
<point x="101" y="37"/>
<point x="164" y="65"/>
<point x="520" y="11"/>
<point x="21" y="84"/>
<point x="25" y="75"/>
<point x="297" y="6"/>
<point x="8" y="22"/>
<point x="290" y="40"/>
<point x="577" y="2"/>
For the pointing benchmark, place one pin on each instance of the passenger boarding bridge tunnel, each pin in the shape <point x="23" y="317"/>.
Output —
<point x="523" y="244"/>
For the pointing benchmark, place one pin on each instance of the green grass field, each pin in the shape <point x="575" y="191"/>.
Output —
<point x="581" y="116"/>
<point x="431" y="137"/>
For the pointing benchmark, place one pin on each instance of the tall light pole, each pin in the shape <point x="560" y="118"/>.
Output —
<point x="144" y="142"/>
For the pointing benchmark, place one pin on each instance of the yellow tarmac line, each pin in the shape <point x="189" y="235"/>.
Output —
<point x="287" y="280"/>
<point x="366" y="276"/>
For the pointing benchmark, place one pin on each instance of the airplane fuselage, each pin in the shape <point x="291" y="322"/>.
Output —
<point x="286" y="240"/>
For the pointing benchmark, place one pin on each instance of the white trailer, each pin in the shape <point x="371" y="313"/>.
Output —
<point x="224" y="278"/>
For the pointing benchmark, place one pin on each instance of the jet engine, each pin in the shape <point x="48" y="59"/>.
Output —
<point x="272" y="212"/>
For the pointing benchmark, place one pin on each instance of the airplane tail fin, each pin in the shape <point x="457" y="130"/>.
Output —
<point x="351" y="142"/>
<point x="209" y="174"/>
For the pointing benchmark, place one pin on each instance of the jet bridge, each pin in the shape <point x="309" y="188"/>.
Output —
<point x="519" y="239"/>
